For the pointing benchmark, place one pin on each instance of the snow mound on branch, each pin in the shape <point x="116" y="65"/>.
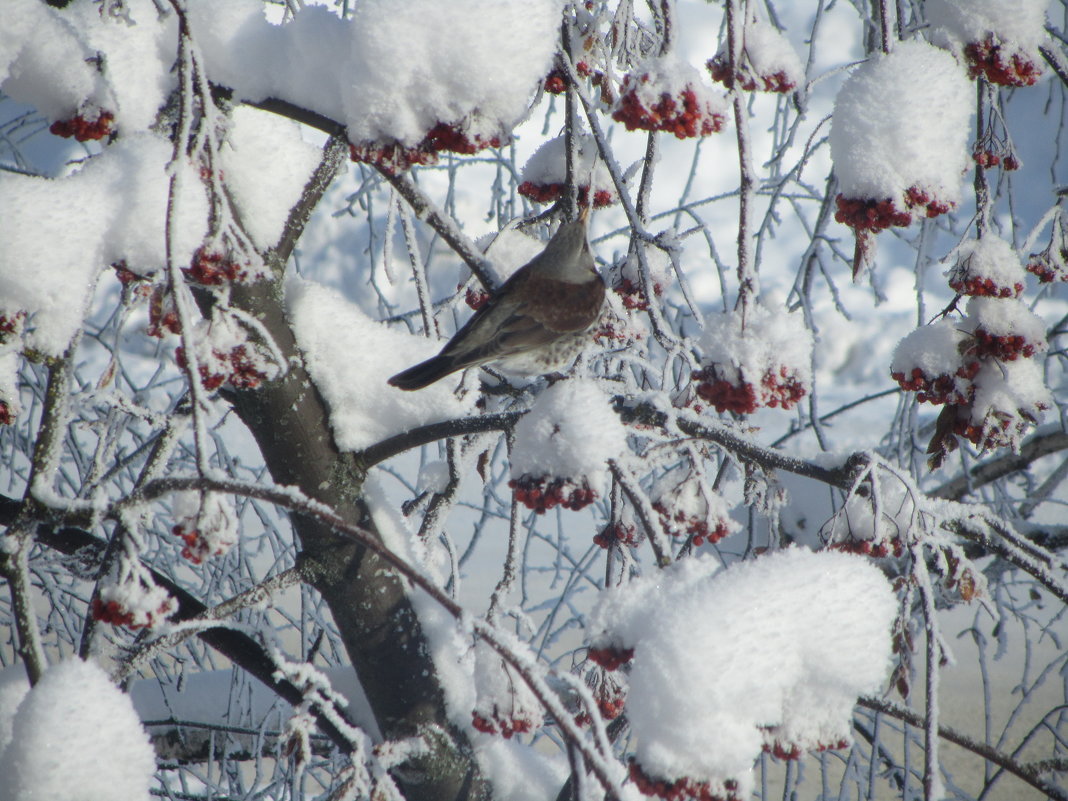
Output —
<point x="784" y="646"/>
<point x="57" y="234"/>
<point x="571" y="431"/>
<point x="265" y="164"/>
<point x="76" y="737"/>
<point x="901" y="122"/>
<point x="1019" y="23"/>
<point x="350" y="356"/>
<point x="395" y="69"/>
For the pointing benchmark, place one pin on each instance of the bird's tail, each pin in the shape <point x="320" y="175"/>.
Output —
<point x="425" y="373"/>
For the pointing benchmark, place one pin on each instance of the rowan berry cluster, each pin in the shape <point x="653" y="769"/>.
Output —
<point x="551" y="192"/>
<point x="503" y="725"/>
<point x="749" y="80"/>
<point x="1001" y="64"/>
<point x="83" y="129"/>
<point x="542" y="493"/>
<point x="683" y="788"/>
<point x="394" y="157"/>
<point x="680" y="112"/>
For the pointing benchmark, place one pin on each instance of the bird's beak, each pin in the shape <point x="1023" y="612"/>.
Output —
<point x="584" y="213"/>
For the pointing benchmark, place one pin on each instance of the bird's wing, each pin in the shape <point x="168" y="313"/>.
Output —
<point x="527" y="312"/>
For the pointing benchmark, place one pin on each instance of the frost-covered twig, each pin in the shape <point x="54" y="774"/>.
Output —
<point x="1031" y="776"/>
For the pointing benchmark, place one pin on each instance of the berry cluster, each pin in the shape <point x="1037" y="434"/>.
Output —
<point x="680" y="524"/>
<point x="943" y="388"/>
<point x="11" y="325"/>
<point x="681" y="789"/>
<point x="548" y="193"/>
<point x="778" y="388"/>
<point x="778" y="82"/>
<point x="82" y="129"/>
<point x="498" y="724"/>
<point x="680" y="113"/>
<point x="999" y="64"/>
<point x="879" y="550"/>
<point x="990" y="158"/>
<point x="1007" y="347"/>
<point x="393" y="157"/>
<point x="608" y="693"/>
<point x="621" y="534"/>
<point x="162" y="314"/>
<point x="984" y="286"/>
<point x="240" y="367"/>
<point x="556" y="80"/>
<point x="212" y="268"/>
<point x="867" y="214"/>
<point x="476" y="298"/>
<point x="724" y="395"/>
<point x="1046" y="268"/>
<point x="197" y="547"/>
<point x="609" y="657"/>
<point x="632" y="295"/>
<point x="542" y="493"/>
<point x="1051" y="264"/>
<point x="116" y="614"/>
<point x="7" y="416"/>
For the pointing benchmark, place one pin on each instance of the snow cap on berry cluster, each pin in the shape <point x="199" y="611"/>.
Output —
<point x="571" y="431"/>
<point x="665" y="93"/>
<point x="987" y="266"/>
<point x="395" y="69"/>
<point x="1009" y="398"/>
<point x="1008" y="322"/>
<point x="788" y="641"/>
<point x="770" y="62"/>
<point x="774" y="345"/>
<point x="901" y="122"/>
<point x="546" y="169"/>
<point x="1019" y="24"/>
<point x="934" y="350"/>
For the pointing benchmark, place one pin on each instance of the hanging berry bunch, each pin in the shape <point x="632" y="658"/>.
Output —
<point x="505" y="704"/>
<point x="690" y="511"/>
<point x="89" y="125"/>
<point x="544" y="176"/>
<point x="759" y="359"/>
<point x="998" y="40"/>
<point x="982" y="366"/>
<point x="562" y="446"/>
<point x="666" y="94"/>
<point x="769" y="61"/>
<point x="133" y="601"/>
<point x="1051" y="263"/>
<point x="228" y="353"/>
<point x="890" y="103"/>
<point x="394" y="157"/>
<point x="206" y="524"/>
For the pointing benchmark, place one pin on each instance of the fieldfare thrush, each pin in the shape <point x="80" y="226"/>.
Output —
<point x="536" y="323"/>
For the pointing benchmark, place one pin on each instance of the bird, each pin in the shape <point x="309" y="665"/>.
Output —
<point x="536" y="323"/>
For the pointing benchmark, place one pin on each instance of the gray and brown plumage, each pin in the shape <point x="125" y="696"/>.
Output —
<point x="535" y="323"/>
